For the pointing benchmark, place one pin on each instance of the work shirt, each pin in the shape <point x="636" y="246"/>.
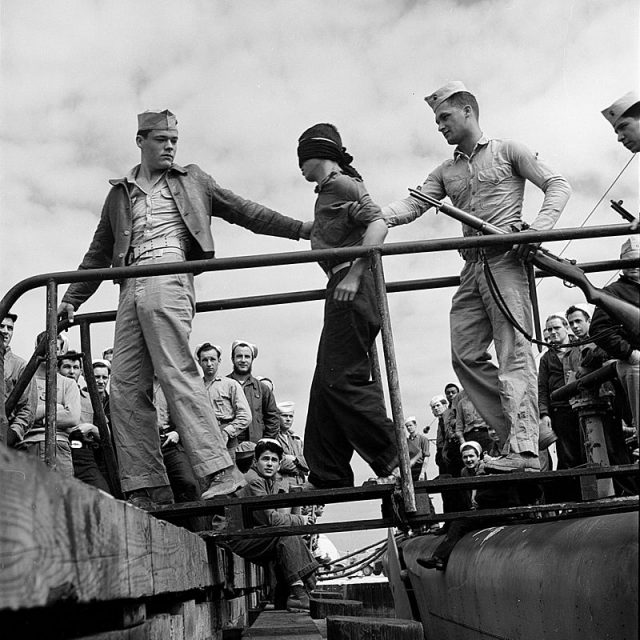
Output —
<point x="467" y="416"/>
<point x="229" y="404"/>
<point x="292" y="445"/>
<point x="418" y="445"/>
<point x="343" y="211"/>
<point x="24" y="413"/>
<point x="154" y="214"/>
<point x="67" y="409"/>
<point x="265" y="419"/>
<point x="489" y="184"/>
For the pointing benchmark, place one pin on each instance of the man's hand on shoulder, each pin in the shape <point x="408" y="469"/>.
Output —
<point x="66" y="311"/>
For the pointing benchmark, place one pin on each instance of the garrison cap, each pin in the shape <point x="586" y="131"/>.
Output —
<point x="154" y="119"/>
<point x="286" y="407"/>
<point x="620" y="106"/>
<point x="630" y="247"/>
<point x="443" y="93"/>
<point x="244" y="343"/>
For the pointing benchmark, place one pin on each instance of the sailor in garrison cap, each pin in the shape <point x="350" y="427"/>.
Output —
<point x="624" y="117"/>
<point x="293" y="467"/>
<point x="617" y="342"/>
<point x="161" y="212"/>
<point x="487" y="177"/>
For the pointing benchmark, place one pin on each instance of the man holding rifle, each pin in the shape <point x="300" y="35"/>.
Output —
<point x="486" y="177"/>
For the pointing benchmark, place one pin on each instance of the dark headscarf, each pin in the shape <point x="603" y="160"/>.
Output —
<point x="323" y="141"/>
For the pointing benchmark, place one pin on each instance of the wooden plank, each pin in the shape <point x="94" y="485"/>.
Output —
<point x="137" y="529"/>
<point x="61" y="539"/>
<point x="376" y="597"/>
<point x="276" y="625"/>
<point x="323" y="607"/>
<point x="361" y="628"/>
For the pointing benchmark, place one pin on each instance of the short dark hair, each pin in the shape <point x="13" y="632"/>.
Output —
<point x="267" y="444"/>
<point x="12" y="316"/>
<point x="463" y="98"/>
<point x="452" y="384"/>
<point x="101" y="365"/>
<point x="207" y="346"/>
<point x="74" y="356"/>
<point x="143" y="133"/>
<point x="573" y="309"/>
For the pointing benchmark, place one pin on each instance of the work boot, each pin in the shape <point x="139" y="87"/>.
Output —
<point x="224" y="482"/>
<point x="148" y="498"/>
<point x="513" y="462"/>
<point x="298" y="598"/>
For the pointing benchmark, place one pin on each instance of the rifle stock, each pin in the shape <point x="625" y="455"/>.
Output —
<point x="625" y="313"/>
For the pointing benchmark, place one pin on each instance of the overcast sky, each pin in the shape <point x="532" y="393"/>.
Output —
<point x="245" y="78"/>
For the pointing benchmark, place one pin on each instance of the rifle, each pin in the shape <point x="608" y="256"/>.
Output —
<point x="618" y="208"/>
<point x="627" y="314"/>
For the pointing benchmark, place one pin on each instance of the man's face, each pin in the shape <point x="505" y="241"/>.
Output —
<point x="470" y="458"/>
<point x="411" y="426"/>
<point x="453" y="122"/>
<point x="69" y="369"/>
<point x="6" y="331"/>
<point x="312" y="169"/>
<point x="578" y="324"/>
<point x="267" y="464"/>
<point x="209" y="361"/>
<point x="286" y="420"/>
<point x="628" y="130"/>
<point x="158" y="148"/>
<point x="438" y="408"/>
<point x="242" y="360"/>
<point x="632" y="272"/>
<point x="101" y="374"/>
<point x="108" y="355"/>
<point x="450" y="393"/>
<point x="558" y="333"/>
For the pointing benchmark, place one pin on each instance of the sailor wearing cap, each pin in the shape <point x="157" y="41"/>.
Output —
<point x="610" y="335"/>
<point x="486" y="177"/>
<point x="293" y="467"/>
<point x="624" y="117"/>
<point x="161" y="212"/>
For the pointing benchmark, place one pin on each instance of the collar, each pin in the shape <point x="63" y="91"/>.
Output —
<point x="482" y="142"/>
<point x="327" y="179"/>
<point x="250" y="380"/>
<point x="133" y="173"/>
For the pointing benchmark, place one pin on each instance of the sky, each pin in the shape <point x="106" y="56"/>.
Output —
<point x="245" y="78"/>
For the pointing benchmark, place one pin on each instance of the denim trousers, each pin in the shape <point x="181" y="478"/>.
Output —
<point x="152" y="332"/>
<point x="506" y="394"/>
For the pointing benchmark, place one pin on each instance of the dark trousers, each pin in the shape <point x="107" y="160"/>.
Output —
<point x="292" y="557"/>
<point x="184" y="485"/>
<point x="346" y="408"/>
<point x="86" y="468"/>
<point x="571" y="454"/>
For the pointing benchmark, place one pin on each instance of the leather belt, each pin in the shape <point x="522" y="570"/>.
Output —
<point x="339" y="267"/>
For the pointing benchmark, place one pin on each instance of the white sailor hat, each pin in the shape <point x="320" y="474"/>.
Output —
<point x="620" y="107"/>
<point x="286" y="407"/>
<point x="630" y="247"/>
<point x="435" y="99"/>
<point x="471" y="444"/>
<point x="243" y="343"/>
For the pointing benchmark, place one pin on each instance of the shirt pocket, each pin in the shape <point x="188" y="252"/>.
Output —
<point x="495" y="174"/>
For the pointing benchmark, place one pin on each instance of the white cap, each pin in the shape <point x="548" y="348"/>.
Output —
<point x="435" y="99"/>
<point x="620" y="107"/>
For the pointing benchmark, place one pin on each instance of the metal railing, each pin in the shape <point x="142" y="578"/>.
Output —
<point x="47" y="348"/>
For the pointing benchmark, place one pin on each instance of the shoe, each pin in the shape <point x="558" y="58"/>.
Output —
<point x="149" y="498"/>
<point x="310" y="581"/>
<point x="224" y="483"/>
<point x="298" y="599"/>
<point x="513" y="462"/>
<point x="434" y="562"/>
